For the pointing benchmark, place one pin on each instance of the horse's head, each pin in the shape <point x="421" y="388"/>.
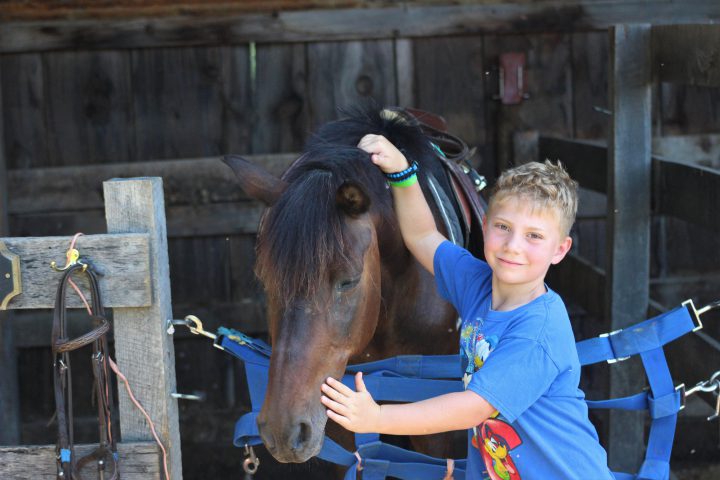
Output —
<point x="318" y="258"/>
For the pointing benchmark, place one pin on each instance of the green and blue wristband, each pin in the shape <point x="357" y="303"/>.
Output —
<point x="404" y="178"/>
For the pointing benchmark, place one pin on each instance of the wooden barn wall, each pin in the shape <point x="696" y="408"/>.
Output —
<point x="74" y="108"/>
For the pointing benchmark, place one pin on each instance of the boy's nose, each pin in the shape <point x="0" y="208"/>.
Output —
<point x="513" y="242"/>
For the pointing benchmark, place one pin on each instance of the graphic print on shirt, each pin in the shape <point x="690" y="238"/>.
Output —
<point x="476" y="347"/>
<point x="495" y="440"/>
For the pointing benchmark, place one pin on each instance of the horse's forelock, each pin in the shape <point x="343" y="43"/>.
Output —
<point x="301" y="238"/>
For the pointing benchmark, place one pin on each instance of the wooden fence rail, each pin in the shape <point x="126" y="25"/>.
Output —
<point x="135" y="282"/>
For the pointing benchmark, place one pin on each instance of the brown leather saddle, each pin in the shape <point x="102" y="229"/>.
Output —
<point x="456" y="157"/>
<point x="68" y="467"/>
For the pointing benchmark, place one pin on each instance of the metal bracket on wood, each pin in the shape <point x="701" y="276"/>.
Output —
<point x="512" y="78"/>
<point x="10" y="281"/>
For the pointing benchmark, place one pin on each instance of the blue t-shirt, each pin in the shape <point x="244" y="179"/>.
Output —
<point x="525" y="364"/>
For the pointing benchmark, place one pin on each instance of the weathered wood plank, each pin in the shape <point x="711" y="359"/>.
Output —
<point x="138" y="461"/>
<point x="688" y="54"/>
<point x="688" y="109"/>
<point x="628" y="225"/>
<point x="590" y="84"/>
<point x="673" y="183"/>
<point x="187" y="182"/>
<point x="701" y="149"/>
<point x="585" y="160"/>
<point x="547" y="77"/>
<point x="23" y="100"/>
<point x="178" y="96"/>
<point x="122" y="259"/>
<point x="405" y="72"/>
<point x="237" y="118"/>
<point x="342" y="74"/>
<point x="281" y="106"/>
<point x="143" y="348"/>
<point x="581" y="282"/>
<point x="183" y="221"/>
<point x="245" y="313"/>
<point x="448" y="78"/>
<point x="88" y="108"/>
<point x="349" y="24"/>
<point x="9" y="393"/>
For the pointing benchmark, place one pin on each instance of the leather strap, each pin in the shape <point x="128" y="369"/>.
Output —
<point x="68" y="467"/>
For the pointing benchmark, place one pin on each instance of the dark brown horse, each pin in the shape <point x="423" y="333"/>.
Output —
<point x="341" y="286"/>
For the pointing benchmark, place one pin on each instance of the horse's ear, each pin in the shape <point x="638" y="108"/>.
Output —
<point x="352" y="199"/>
<point x="255" y="181"/>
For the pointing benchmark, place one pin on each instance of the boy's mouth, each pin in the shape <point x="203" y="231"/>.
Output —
<point x="509" y="262"/>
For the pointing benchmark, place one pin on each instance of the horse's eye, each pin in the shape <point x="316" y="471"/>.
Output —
<point x="347" y="284"/>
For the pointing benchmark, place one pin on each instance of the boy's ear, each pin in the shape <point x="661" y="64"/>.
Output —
<point x="562" y="250"/>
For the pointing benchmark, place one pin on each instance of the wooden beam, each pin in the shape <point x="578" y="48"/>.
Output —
<point x="687" y="54"/>
<point x="182" y="221"/>
<point x="32" y="328"/>
<point x="689" y="192"/>
<point x="197" y="181"/>
<point x="585" y="160"/>
<point x="628" y="223"/>
<point x="138" y="461"/>
<point x="578" y="280"/>
<point x="9" y="396"/>
<point x="122" y="260"/>
<point x="144" y="350"/>
<point x="348" y="24"/>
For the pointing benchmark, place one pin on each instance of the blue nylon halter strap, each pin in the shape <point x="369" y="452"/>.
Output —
<point x="415" y="377"/>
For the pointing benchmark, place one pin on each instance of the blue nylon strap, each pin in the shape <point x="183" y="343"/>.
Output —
<point x="623" y="476"/>
<point x="662" y="430"/>
<point x="404" y="389"/>
<point x="387" y="380"/>
<point x="668" y="404"/>
<point x="644" y="336"/>
<point x="246" y="431"/>
<point x="416" y="366"/>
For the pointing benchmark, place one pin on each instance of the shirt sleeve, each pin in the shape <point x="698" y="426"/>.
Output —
<point x="515" y="375"/>
<point x="461" y="279"/>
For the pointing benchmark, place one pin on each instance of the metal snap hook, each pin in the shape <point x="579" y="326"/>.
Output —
<point x="251" y="463"/>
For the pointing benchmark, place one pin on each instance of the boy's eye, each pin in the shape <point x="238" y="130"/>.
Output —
<point x="502" y="226"/>
<point x="535" y="236"/>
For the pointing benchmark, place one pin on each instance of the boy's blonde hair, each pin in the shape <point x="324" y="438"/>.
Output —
<point x="545" y="185"/>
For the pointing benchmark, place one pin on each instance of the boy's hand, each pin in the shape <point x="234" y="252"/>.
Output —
<point x="383" y="153"/>
<point x="355" y="411"/>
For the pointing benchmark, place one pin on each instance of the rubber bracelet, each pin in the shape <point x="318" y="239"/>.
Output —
<point x="411" y="180"/>
<point x="402" y="175"/>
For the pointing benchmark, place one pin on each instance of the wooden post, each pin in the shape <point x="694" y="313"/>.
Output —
<point x="9" y="396"/>
<point x="628" y="226"/>
<point x="144" y="350"/>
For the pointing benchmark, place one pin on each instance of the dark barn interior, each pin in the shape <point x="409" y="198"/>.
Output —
<point x="96" y="90"/>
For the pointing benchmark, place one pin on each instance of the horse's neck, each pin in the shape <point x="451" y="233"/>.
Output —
<point x="414" y="318"/>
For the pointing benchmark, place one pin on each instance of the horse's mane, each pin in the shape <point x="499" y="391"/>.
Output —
<point x="301" y="237"/>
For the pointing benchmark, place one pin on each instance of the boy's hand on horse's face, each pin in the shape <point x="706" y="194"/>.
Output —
<point x="383" y="153"/>
<point x="355" y="411"/>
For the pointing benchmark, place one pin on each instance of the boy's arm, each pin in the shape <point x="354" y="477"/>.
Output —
<point x="358" y="412"/>
<point x="417" y="224"/>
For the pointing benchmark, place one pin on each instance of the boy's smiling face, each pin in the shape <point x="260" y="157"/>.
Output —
<point x="521" y="242"/>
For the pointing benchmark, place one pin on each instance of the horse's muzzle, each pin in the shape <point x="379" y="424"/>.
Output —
<point x="295" y="441"/>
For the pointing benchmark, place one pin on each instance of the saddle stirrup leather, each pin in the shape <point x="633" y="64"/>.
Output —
<point x="68" y="467"/>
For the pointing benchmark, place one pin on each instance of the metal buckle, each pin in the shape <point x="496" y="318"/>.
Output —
<point x="695" y="314"/>
<point x="681" y="388"/>
<point x="613" y="360"/>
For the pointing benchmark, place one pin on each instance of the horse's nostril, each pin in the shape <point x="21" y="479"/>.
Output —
<point x="302" y="436"/>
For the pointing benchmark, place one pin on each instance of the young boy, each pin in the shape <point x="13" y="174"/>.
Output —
<point x="526" y="416"/>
